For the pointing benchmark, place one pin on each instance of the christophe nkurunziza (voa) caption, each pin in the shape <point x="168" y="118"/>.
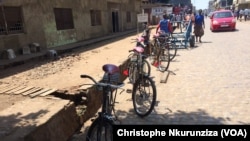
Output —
<point x="182" y="133"/>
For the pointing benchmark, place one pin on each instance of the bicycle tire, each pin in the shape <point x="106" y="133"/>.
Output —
<point x="172" y="51"/>
<point x="134" y="73"/>
<point x="152" y="52"/>
<point x="100" y="130"/>
<point x="192" y="41"/>
<point x="146" y="67"/>
<point x="143" y="100"/>
<point x="163" y="59"/>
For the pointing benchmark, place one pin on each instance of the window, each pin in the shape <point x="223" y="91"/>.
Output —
<point x="95" y="16"/>
<point x="128" y="15"/>
<point x="10" y="20"/>
<point x="64" y="18"/>
<point x="223" y="15"/>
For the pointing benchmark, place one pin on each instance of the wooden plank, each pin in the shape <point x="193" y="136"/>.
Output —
<point x="8" y="89"/>
<point x="164" y="77"/>
<point x="23" y="90"/>
<point x="39" y="92"/>
<point x="15" y="89"/>
<point x="48" y="92"/>
<point x="35" y="89"/>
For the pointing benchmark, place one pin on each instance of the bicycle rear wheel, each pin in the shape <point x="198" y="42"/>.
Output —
<point x="172" y="51"/>
<point x="100" y="130"/>
<point x="144" y="96"/>
<point x="152" y="52"/>
<point x="163" y="59"/>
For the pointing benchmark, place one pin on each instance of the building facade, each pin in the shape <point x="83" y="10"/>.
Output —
<point x="60" y="22"/>
<point x="241" y="4"/>
<point x="231" y="4"/>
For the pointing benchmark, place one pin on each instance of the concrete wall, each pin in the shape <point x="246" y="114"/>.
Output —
<point x="40" y="26"/>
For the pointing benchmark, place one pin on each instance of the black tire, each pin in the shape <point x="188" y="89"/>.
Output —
<point x="163" y="60"/>
<point x="146" y="68"/>
<point x="172" y="51"/>
<point x="144" y="96"/>
<point x="100" y="130"/>
<point x="133" y="73"/>
<point x="191" y="41"/>
<point x="152" y="52"/>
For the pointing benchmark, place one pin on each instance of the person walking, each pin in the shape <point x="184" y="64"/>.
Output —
<point x="199" y="26"/>
<point x="238" y="14"/>
<point x="245" y="14"/>
<point x="241" y="14"/>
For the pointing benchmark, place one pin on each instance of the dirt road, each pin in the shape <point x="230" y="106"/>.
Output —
<point x="64" y="71"/>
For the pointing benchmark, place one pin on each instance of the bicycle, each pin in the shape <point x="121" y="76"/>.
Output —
<point x="163" y="51"/>
<point x="101" y="127"/>
<point x="144" y="89"/>
<point x="138" y="55"/>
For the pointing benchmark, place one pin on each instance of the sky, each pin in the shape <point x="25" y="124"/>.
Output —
<point x="200" y="4"/>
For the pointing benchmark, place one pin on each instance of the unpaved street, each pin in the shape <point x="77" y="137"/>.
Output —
<point x="64" y="72"/>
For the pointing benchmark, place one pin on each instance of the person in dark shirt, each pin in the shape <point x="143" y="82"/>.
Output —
<point x="199" y="26"/>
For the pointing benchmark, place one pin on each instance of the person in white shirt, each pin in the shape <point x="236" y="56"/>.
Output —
<point x="246" y="14"/>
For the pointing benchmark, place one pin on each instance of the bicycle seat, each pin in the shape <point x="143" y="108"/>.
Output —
<point x="139" y="49"/>
<point x="110" y="69"/>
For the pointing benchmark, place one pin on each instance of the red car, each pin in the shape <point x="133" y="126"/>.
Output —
<point x="222" y="20"/>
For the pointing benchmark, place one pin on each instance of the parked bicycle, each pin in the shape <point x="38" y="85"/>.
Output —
<point x="137" y="55"/>
<point x="101" y="128"/>
<point x="144" y="89"/>
<point x="163" y="51"/>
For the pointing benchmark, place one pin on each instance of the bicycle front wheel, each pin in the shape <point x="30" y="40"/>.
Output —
<point x="144" y="96"/>
<point x="100" y="130"/>
<point x="163" y="60"/>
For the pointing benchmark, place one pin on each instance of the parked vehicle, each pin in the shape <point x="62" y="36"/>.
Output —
<point x="222" y="20"/>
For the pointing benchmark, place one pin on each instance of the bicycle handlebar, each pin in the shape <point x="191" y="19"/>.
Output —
<point x="103" y="84"/>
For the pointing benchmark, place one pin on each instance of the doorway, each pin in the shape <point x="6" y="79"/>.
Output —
<point x="115" y="21"/>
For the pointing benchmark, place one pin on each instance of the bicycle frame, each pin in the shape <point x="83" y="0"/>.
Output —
<point x="105" y="118"/>
<point x="137" y="62"/>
